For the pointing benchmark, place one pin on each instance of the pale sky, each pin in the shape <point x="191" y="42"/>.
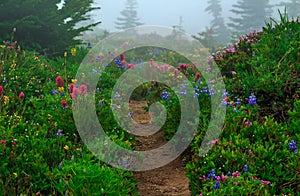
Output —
<point x="163" y="12"/>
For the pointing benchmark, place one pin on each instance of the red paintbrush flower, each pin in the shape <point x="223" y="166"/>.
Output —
<point x="71" y="88"/>
<point x="197" y="76"/>
<point x="59" y="81"/>
<point x="122" y="56"/>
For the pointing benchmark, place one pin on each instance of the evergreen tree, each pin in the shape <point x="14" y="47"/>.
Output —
<point x="292" y="8"/>
<point x="129" y="18"/>
<point x="252" y="15"/>
<point x="41" y="25"/>
<point x="207" y="38"/>
<point x="222" y="35"/>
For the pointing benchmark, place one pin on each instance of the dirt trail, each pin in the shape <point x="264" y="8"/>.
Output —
<point x="167" y="180"/>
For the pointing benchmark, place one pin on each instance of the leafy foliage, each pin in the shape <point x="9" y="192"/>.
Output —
<point x="266" y="63"/>
<point x="41" y="26"/>
<point x="257" y="151"/>
<point x="41" y="151"/>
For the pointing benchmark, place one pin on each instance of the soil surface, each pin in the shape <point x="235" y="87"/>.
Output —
<point x="167" y="180"/>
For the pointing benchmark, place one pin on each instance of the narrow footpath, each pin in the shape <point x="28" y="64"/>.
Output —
<point x="167" y="180"/>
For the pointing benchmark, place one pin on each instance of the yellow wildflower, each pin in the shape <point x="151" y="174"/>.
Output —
<point x="73" y="51"/>
<point x="6" y="99"/>
<point x="73" y="80"/>
<point x="66" y="147"/>
<point x="61" y="89"/>
<point x="65" y="54"/>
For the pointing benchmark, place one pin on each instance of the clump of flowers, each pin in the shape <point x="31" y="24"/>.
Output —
<point x="293" y="146"/>
<point x="249" y="124"/>
<point x="236" y="174"/>
<point x="59" y="133"/>
<point x="71" y="87"/>
<point x="252" y="99"/>
<point x="74" y="93"/>
<point x="1" y="90"/>
<point x="217" y="186"/>
<point x="197" y="76"/>
<point x="263" y="182"/>
<point x="223" y="178"/>
<point x="73" y="51"/>
<point x="54" y="92"/>
<point x="21" y="95"/>
<point x="165" y="95"/>
<point x="122" y="56"/>
<point x="59" y="82"/>
<point x="83" y="90"/>
<point x="64" y="104"/>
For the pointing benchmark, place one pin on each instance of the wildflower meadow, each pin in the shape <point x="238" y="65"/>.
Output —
<point x="256" y="153"/>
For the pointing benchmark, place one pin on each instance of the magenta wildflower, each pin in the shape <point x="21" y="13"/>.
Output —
<point x="21" y="95"/>
<point x="75" y="93"/>
<point x="214" y="141"/>
<point x="263" y="182"/>
<point x="63" y="102"/>
<point x="211" y="59"/>
<point x="236" y="174"/>
<point x="83" y="89"/>
<point x="202" y="178"/>
<point x="1" y="90"/>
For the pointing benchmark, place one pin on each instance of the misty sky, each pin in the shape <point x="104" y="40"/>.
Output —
<point x="163" y="12"/>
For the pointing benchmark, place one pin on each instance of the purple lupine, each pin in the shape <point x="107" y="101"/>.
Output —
<point x="293" y="146"/>
<point x="252" y="99"/>
<point x="165" y="95"/>
<point x="238" y="102"/>
<point x="212" y="174"/>
<point x="218" y="185"/>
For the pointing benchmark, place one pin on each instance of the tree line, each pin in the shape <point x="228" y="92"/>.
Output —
<point x="249" y="15"/>
<point x="46" y="27"/>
